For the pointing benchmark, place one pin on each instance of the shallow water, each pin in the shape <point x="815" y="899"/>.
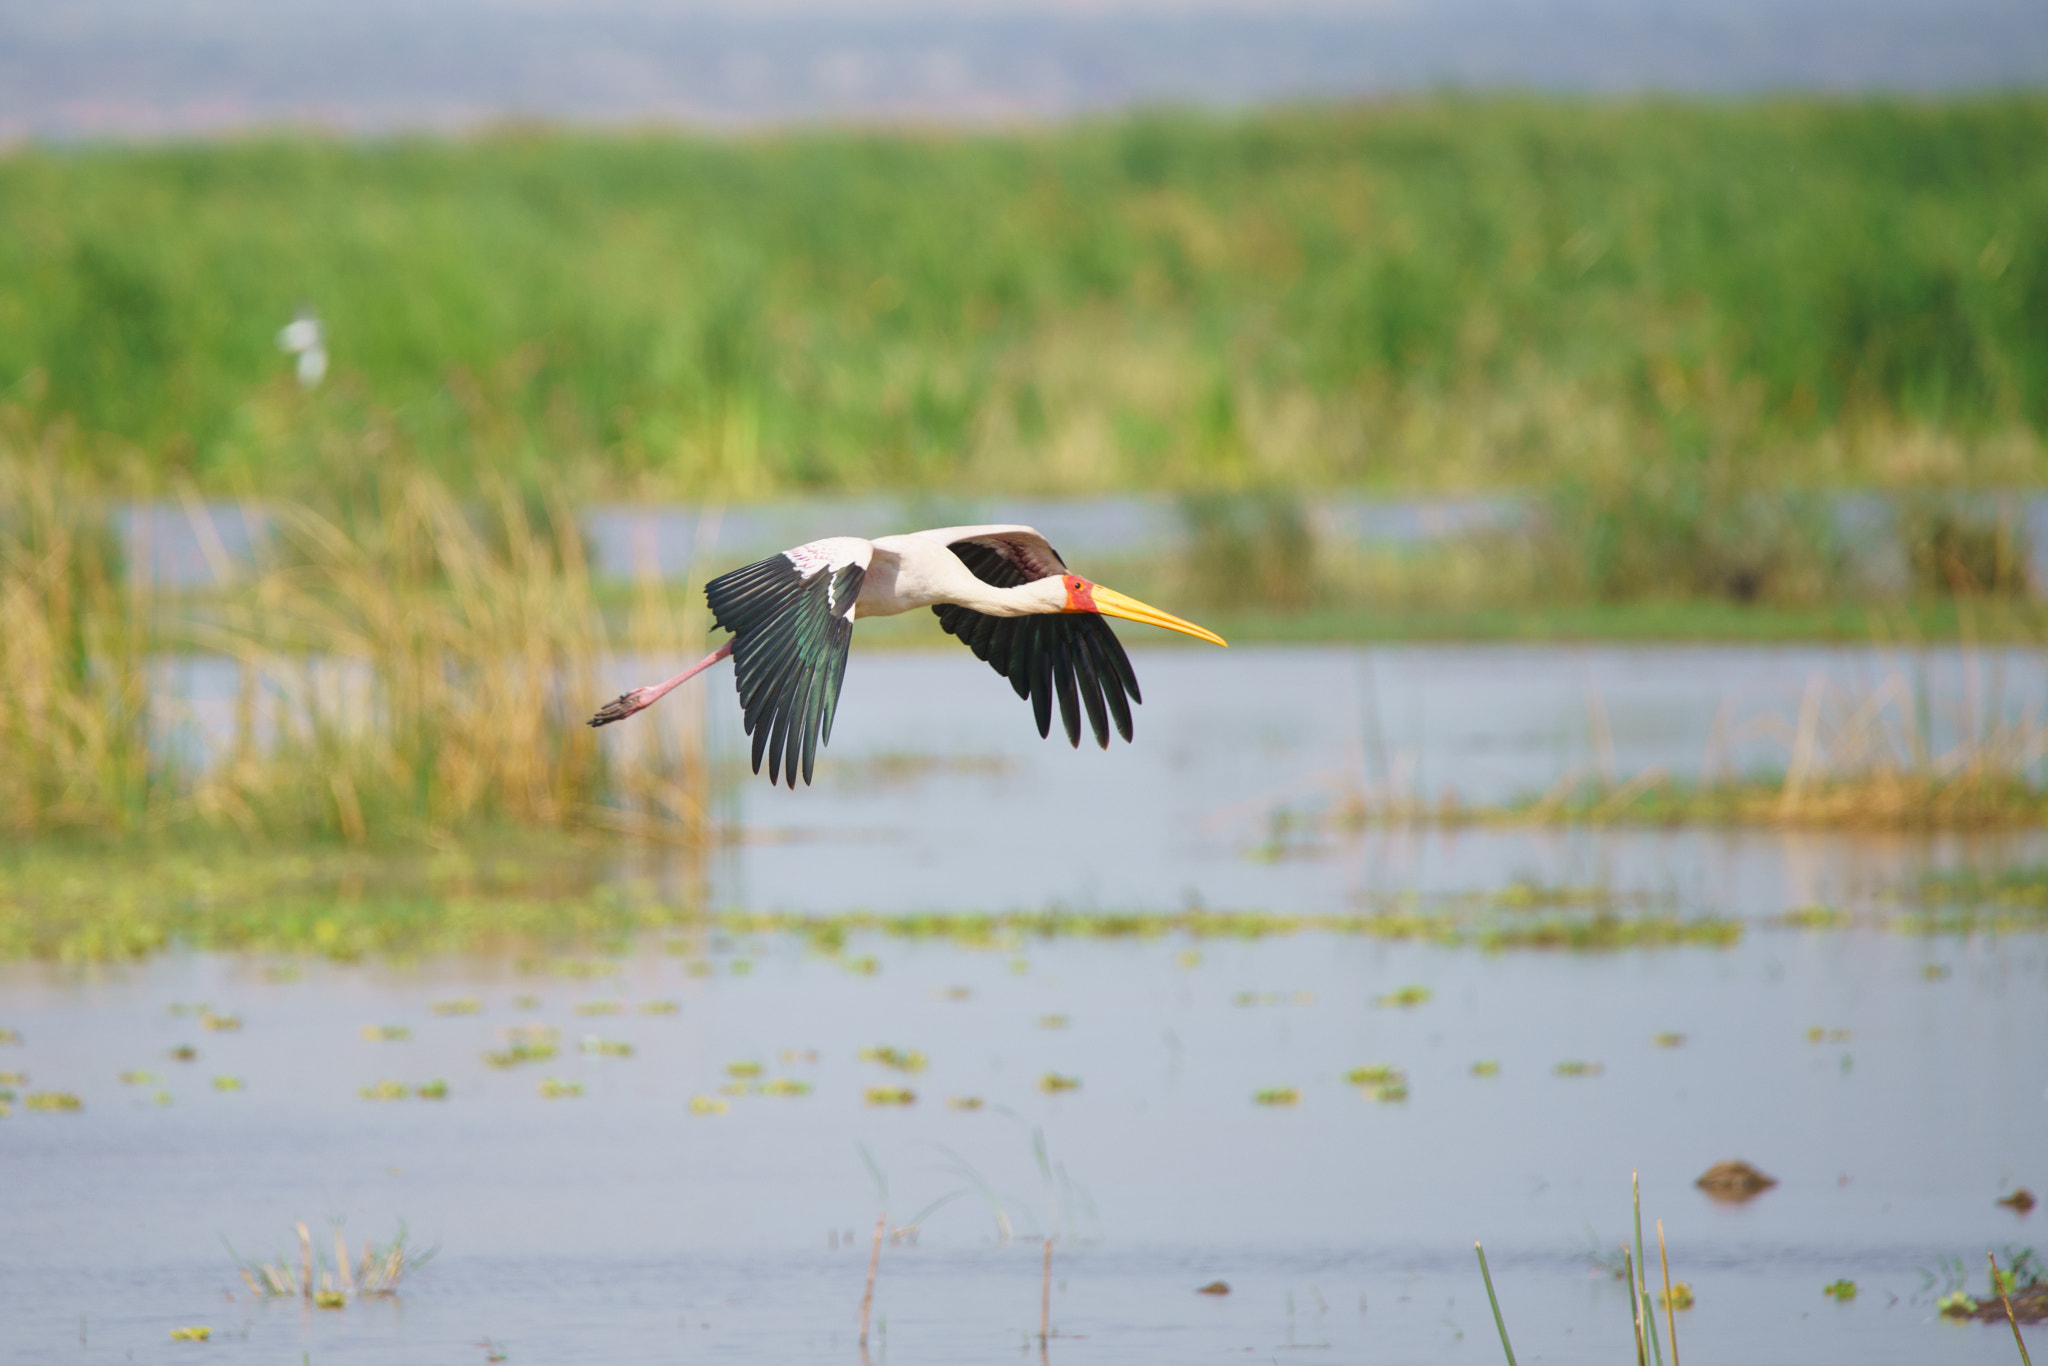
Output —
<point x="618" y="1225"/>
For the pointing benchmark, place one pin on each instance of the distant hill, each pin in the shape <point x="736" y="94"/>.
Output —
<point x="88" y="68"/>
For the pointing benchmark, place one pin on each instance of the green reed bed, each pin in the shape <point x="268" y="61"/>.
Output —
<point x="1445" y="292"/>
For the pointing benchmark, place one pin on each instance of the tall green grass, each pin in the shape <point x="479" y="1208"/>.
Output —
<point x="1446" y="292"/>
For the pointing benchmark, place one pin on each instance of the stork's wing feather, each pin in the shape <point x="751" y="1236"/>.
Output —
<point x="1072" y="656"/>
<point x="791" y="616"/>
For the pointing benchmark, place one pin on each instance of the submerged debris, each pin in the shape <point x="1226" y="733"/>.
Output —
<point x="1734" y="1181"/>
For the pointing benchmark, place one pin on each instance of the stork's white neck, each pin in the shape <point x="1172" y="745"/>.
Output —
<point x="1026" y="600"/>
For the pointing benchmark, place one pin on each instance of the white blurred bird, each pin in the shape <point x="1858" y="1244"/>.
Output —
<point x="303" y="337"/>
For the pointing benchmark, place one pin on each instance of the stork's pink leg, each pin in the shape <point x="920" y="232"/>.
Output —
<point x="639" y="699"/>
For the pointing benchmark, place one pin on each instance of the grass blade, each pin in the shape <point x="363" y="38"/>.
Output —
<point x="1492" y="1299"/>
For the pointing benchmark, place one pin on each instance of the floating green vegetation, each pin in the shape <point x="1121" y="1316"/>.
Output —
<point x="867" y="965"/>
<point x="1669" y="1038"/>
<point x="1404" y="998"/>
<point x="139" y="1079"/>
<point x="1841" y="1292"/>
<point x="76" y="908"/>
<point x="600" y="1008"/>
<point x="1052" y="1083"/>
<point x="744" y="1070"/>
<point x="227" y="1083"/>
<point x="1936" y="972"/>
<point x="660" y="1008"/>
<point x="889" y="1095"/>
<point x="526" y="1001"/>
<point x="458" y="1005"/>
<point x="785" y="1086"/>
<point x="220" y="1024"/>
<point x="52" y="1102"/>
<point x="798" y="1055"/>
<point x="606" y="1048"/>
<point x="13" y="1078"/>
<point x="740" y="967"/>
<point x="437" y="1089"/>
<point x="184" y="1052"/>
<point x="1486" y="1067"/>
<point x="1819" y="1034"/>
<point x="903" y="1061"/>
<point x="10" y="1036"/>
<point x="1188" y="958"/>
<point x="383" y="1090"/>
<point x="554" y="1088"/>
<point x="1375" y="1074"/>
<point x="1277" y="1095"/>
<point x="963" y="1102"/>
<point x="329" y="1299"/>
<point x="1054" y="1021"/>
<point x="1681" y="1296"/>
<point x="390" y="1033"/>
<point x="523" y="1044"/>
<point x="192" y="1333"/>
<point x="709" y="1105"/>
<point x="1574" y="1068"/>
<point x="953" y="993"/>
<point x="1389" y="1093"/>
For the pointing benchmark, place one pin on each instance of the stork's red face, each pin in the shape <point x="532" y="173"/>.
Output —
<point x="1083" y="596"/>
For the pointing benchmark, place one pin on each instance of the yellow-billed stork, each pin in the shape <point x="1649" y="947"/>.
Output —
<point x="1003" y="590"/>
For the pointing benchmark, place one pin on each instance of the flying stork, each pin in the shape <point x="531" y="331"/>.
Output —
<point x="1003" y="590"/>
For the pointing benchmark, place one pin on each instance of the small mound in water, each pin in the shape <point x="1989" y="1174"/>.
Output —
<point x="1214" y="1288"/>
<point x="1734" y="1182"/>
<point x="2029" y="1305"/>
<point x="2020" y="1201"/>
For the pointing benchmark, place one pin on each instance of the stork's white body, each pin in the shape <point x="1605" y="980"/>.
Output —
<point x="792" y="618"/>
<point x="920" y="570"/>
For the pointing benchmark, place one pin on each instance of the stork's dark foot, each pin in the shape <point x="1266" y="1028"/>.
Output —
<point x="620" y="707"/>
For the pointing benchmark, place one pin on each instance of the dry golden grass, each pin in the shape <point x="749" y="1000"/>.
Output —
<point x="408" y="663"/>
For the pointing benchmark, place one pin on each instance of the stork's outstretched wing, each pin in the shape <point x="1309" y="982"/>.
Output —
<point x="1072" y="655"/>
<point x="791" y="616"/>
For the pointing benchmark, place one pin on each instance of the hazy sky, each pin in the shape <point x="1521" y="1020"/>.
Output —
<point x="73" y="68"/>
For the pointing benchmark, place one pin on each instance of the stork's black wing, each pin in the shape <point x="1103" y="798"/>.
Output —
<point x="1073" y="655"/>
<point x="791" y="616"/>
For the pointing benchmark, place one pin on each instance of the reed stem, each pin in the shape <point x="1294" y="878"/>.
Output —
<point x="1635" y="1185"/>
<point x="2010" y="1317"/>
<point x="1492" y="1299"/>
<point x="1635" y="1305"/>
<point x="867" y="1299"/>
<point x="1670" y="1309"/>
<point x="1045" y="1297"/>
